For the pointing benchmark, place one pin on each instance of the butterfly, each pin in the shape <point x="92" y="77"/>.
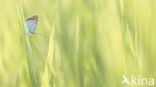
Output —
<point x="31" y="23"/>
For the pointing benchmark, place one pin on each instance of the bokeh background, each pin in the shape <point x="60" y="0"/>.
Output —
<point x="78" y="43"/>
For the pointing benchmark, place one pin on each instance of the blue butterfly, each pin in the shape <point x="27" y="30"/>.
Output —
<point x="31" y="23"/>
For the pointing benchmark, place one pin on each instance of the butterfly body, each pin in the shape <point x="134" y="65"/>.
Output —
<point x="31" y="23"/>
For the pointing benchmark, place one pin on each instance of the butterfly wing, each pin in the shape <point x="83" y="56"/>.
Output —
<point x="31" y="26"/>
<point x="31" y="23"/>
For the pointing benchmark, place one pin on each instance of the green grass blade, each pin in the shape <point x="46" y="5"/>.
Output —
<point x="27" y="45"/>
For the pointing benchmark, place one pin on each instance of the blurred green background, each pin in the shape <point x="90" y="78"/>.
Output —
<point x="78" y="43"/>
